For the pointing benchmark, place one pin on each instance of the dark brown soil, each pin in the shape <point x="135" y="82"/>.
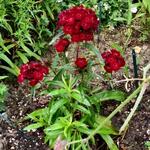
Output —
<point x="19" y="104"/>
<point x="12" y="135"/>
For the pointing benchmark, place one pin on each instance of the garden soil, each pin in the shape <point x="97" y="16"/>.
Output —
<point x="19" y="104"/>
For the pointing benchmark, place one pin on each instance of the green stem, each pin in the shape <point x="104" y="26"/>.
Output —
<point x="144" y="87"/>
<point x="109" y="117"/>
<point x="65" y="58"/>
<point x="32" y="93"/>
<point x="115" y="111"/>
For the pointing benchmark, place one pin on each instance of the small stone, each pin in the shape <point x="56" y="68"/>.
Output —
<point x="148" y="132"/>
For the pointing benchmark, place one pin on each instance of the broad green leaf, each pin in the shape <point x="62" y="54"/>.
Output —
<point x="55" y="126"/>
<point x="80" y="99"/>
<point x="108" y="95"/>
<point x="82" y="109"/>
<point x="34" y="126"/>
<point x="57" y="92"/>
<point x="57" y="105"/>
<point x="53" y="134"/>
<point x="107" y="129"/>
<point x="35" y="115"/>
<point x="111" y="144"/>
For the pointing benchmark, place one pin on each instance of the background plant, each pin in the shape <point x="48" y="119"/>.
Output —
<point x="26" y="27"/>
<point x="3" y="94"/>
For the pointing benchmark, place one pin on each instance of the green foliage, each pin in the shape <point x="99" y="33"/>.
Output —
<point x="71" y="113"/>
<point x="113" y="12"/>
<point x="26" y="27"/>
<point x="146" y="4"/>
<point x="3" y="93"/>
<point x="147" y="144"/>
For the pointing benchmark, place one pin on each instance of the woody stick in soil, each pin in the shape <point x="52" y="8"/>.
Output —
<point x="135" y="67"/>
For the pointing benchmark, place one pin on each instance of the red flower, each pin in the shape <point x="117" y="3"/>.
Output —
<point x="33" y="82"/>
<point x="32" y="71"/>
<point x="113" y="60"/>
<point x="61" y="45"/>
<point x="81" y="63"/>
<point x="20" y="78"/>
<point x="78" y="20"/>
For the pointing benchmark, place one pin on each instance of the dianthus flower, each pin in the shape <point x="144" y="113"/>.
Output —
<point x="78" y="21"/>
<point x="113" y="60"/>
<point x="62" y="44"/>
<point x="32" y="71"/>
<point x="81" y="63"/>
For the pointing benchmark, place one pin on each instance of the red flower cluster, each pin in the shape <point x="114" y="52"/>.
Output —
<point x="79" y="22"/>
<point x="61" y="44"/>
<point x="32" y="71"/>
<point x="113" y="60"/>
<point x="81" y="63"/>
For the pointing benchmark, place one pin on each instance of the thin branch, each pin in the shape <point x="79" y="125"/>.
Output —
<point x="143" y="89"/>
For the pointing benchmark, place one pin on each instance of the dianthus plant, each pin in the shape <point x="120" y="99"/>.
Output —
<point x="75" y="90"/>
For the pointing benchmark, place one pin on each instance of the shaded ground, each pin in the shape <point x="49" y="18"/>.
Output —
<point x="19" y="104"/>
<point x="12" y="136"/>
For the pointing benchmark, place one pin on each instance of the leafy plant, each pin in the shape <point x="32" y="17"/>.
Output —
<point x="3" y="93"/>
<point x="73" y="116"/>
<point x="147" y="144"/>
<point x="70" y="113"/>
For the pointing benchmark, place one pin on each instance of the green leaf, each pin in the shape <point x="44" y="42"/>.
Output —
<point x="147" y="144"/>
<point x="80" y="99"/>
<point x="111" y="144"/>
<point x="53" y="134"/>
<point x="108" y="95"/>
<point x="13" y="71"/>
<point x="35" y="115"/>
<point x="96" y="51"/>
<point x="6" y="59"/>
<point x="107" y="129"/>
<point x="29" y="52"/>
<point x="82" y="109"/>
<point x="55" y="126"/>
<point x="34" y="126"/>
<point x="57" y="92"/>
<point x="118" y="47"/>
<point x="3" y="45"/>
<point x="57" y="105"/>
<point x="121" y="19"/>
<point x="23" y="57"/>
<point x="3" y="77"/>
<point x="56" y="37"/>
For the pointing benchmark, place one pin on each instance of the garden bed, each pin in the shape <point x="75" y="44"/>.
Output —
<point x="19" y="104"/>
